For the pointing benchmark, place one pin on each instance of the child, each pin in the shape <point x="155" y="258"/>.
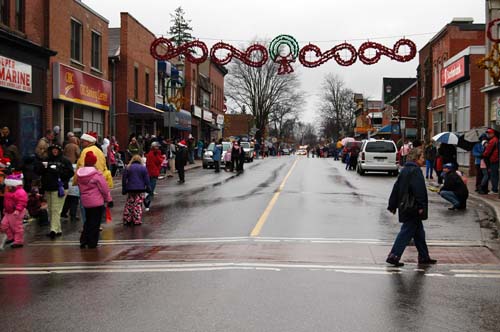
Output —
<point x="347" y="160"/>
<point x="37" y="207"/>
<point x="71" y="203"/>
<point x="227" y="161"/>
<point x="94" y="193"/>
<point x="15" y="202"/>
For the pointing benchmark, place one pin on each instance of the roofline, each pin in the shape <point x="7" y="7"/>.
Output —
<point x="444" y="30"/>
<point x="92" y="11"/>
<point x="403" y="92"/>
<point x="137" y="21"/>
<point x="470" y="50"/>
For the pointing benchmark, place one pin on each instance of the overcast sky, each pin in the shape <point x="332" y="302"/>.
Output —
<point x="325" y="23"/>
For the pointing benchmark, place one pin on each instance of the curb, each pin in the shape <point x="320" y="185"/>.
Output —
<point x="494" y="207"/>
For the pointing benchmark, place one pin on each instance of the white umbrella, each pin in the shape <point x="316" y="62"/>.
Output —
<point x="446" y="137"/>
<point x="474" y="134"/>
<point x="346" y="140"/>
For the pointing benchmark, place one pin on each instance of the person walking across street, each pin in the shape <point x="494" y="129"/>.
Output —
<point x="409" y="199"/>
<point x="135" y="182"/>
<point x="454" y="189"/>
<point x="217" y="156"/>
<point x="94" y="193"/>
<point x="491" y="156"/>
<point x="181" y="158"/>
<point x="55" y="174"/>
<point x="154" y="160"/>
<point x="430" y="159"/>
<point x="405" y="149"/>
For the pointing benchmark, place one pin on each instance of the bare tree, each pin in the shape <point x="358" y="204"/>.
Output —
<point x="337" y="107"/>
<point x="284" y="114"/>
<point x="260" y="90"/>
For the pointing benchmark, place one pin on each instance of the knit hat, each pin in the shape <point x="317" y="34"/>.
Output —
<point x="88" y="138"/>
<point x="449" y="166"/>
<point x="90" y="159"/>
<point x="14" y="180"/>
<point x="182" y="143"/>
<point x="490" y="131"/>
<point x="157" y="144"/>
<point x="55" y="146"/>
<point x="4" y="162"/>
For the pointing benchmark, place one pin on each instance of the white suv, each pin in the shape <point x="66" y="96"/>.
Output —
<point x="378" y="156"/>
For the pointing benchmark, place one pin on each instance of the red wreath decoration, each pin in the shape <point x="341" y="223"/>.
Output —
<point x="490" y="33"/>
<point x="328" y="55"/>
<point x="383" y="50"/>
<point x="245" y="57"/>
<point x="185" y="49"/>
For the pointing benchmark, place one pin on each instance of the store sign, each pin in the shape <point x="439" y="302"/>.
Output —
<point x="220" y="119"/>
<point x="197" y="111"/>
<point x="453" y="72"/>
<point x="207" y="115"/>
<point x="15" y="75"/>
<point x="81" y="88"/>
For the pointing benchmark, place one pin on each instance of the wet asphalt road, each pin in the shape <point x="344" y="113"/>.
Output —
<point x="316" y="264"/>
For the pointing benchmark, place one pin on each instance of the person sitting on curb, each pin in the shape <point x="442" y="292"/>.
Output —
<point x="454" y="189"/>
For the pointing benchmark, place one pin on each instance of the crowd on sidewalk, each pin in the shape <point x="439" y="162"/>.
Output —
<point x="76" y="176"/>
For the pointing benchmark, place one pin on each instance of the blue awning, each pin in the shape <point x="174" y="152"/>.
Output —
<point x="136" y="108"/>
<point x="183" y="120"/>
<point x="389" y="129"/>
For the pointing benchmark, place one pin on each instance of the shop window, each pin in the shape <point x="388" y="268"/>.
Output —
<point x="76" y="40"/>
<point x="4" y="12"/>
<point x="20" y="15"/>
<point x="96" y="50"/>
<point x="147" y="88"/>
<point x="136" y="83"/>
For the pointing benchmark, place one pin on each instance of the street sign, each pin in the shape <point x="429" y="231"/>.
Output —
<point x="402" y="124"/>
<point x="498" y="116"/>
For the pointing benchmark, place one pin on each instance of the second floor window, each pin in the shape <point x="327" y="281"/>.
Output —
<point x="76" y="41"/>
<point x="4" y="12"/>
<point x="96" y="50"/>
<point x="20" y="15"/>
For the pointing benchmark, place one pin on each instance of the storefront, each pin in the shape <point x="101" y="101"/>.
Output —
<point x="196" y="122"/>
<point x="23" y="82"/>
<point x="144" y="119"/>
<point x="81" y="101"/>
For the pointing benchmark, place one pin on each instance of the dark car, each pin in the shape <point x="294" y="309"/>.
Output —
<point x="348" y="148"/>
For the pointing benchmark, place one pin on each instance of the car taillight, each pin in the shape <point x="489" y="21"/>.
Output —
<point x="363" y="156"/>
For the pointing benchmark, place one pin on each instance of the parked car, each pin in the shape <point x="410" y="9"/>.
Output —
<point x="378" y="156"/>
<point x="248" y="151"/>
<point x="285" y="152"/>
<point x="208" y="161"/>
<point x="301" y="152"/>
<point x="348" y="147"/>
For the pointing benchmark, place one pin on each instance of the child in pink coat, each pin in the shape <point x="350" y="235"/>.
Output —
<point x="15" y="203"/>
<point x="94" y="193"/>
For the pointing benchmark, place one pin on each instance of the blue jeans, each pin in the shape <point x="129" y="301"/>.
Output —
<point x="451" y="197"/>
<point x="494" y="177"/>
<point x="409" y="230"/>
<point x="191" y="156"/>
<point x="429" y="168"/>
<point x="152" y="183"/>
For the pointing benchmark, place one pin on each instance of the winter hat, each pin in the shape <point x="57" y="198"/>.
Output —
<point x="90" y="159"/>
<point x="4" y="162"/>
<point x="449" y="166"/>
<point x="14" y="180"/>
<point x="490" y="131"/>
<point x="182" y="143"/>
<point x="157" y="144"/>
<point x="88" y="138"/>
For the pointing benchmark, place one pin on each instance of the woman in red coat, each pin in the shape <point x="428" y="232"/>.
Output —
<point x="154" y="159"/>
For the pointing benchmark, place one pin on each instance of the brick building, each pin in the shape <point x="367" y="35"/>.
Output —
<point x="452" y="39"/>
<point x="24" y="63"/>
<point x="405" y="110"/>
<point x="133" y="73"/>
<point x="79" y="94"/>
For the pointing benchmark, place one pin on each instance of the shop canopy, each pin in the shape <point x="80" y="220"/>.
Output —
<point x="388" y="130"/>
<point x="136" y="108"/>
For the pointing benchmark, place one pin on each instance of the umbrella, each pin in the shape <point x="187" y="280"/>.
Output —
<point x="474" y="134"/>
<point x="346" y="140"/>
<point x="446" y="137"/>
<point x="465" y="144"/>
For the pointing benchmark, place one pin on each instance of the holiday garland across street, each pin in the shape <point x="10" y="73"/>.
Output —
<point x="284" y="50"/>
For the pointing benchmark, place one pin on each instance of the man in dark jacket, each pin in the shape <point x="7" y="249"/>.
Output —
<point x="411" y="181"/>
<point x="454" y="189"/>
<point x="491" y="156"/>
<point x="55" y="173"/>
<point x="181" y="158"/>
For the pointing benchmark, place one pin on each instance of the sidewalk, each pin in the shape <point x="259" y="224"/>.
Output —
<point x="491" y="200"/>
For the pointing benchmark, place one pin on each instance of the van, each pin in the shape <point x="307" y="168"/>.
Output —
<point x="378" y="156"/>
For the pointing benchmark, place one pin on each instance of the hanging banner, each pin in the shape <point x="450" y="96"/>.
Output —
<point x="15" y="75"/>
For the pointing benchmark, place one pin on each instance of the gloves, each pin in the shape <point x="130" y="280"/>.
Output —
<point x="111" y="204"/>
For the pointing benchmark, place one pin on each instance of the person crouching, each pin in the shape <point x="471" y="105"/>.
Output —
<point x="454" y="189"/>
<point x="15" y="202"/>
<point x="94" y="193"/>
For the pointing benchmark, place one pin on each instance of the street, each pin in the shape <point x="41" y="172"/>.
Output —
<point x="292" y="244"/>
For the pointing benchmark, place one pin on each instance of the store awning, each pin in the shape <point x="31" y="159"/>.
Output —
<point x="136" y="108"/>
<point x="388" y="129"/>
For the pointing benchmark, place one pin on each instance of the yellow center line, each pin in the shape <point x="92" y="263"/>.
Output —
<point x="263" y="218"/>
